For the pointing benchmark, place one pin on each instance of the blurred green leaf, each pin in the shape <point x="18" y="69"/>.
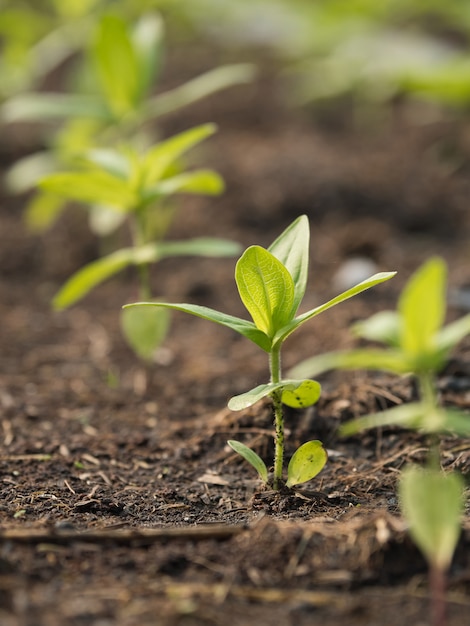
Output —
<point x="32" y="107"/>
<point x="145" y="329"/>
<point x="432" y="503"/>
<point x="383" y="327"/>
<point x="205" y="182"/>
<point x="43" y="210"/>
<point x="147" y="39"/>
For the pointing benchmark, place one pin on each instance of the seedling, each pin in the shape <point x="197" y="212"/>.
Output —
<point x="121" y="71"/>
<point x="419" y="344"/>
<point x="125" y="185"/>
<point x="272" y="283"/>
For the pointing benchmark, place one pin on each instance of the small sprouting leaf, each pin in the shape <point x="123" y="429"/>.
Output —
<point x="305" y="394"/>
<point x="145" y="329"/>
<point x="43" y="210"/>
<point x="422" y="306"/>
<point x="449" y="336"/>
<point x="410" y="415"/>
<point x="266" y="289"/>
<point x="251" y="397"/>
<point x="432" y="503"/>
<point x="306" y="463"/>
<point x="104" y="220"/>
<point x="291" y="248"/>
<point x="46" y="106"/>
<point x="253" y="459"/>
<point x="147" y="40"/>
<point x="204" y="182"/>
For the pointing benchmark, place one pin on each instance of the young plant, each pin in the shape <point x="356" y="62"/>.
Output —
<point x="127" y="186"/>
<point x="272" y="283"/>
<point x="419" y="344"/>
<point x="121" y="71"/>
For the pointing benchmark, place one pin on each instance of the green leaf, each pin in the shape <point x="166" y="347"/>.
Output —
<point x="205" y="182"/>
<point x="266" y="289"/>
<point x="306" y="463"/>
<point x="43" y="210"/>
<point x="116" y="64"/>
<point x="147" y="42"/>
<point x="306" y="394"/>
<point x="383" y="326"/>
<point x="291" y="248"/>
<point x="198" y="88"/>
<point x="24" y="174"/>
<point x="453" y="333"/>
<point x="145" y="329"/>
<point x="389" y="360"/>
<point x="110" y="161"/>
<point x="253" y="459"/>
<point x="32" y="107"/>
<point x="422" y="305"/>
<point x="432" y="503"/>
<point x="93" y="187"/>
<point x="199" y="246"/>
<point x="161" y="156"/>
<point x="92" y="275"/>
<point x="410" y="415"/>
<point x="104" y="220"/>
<point x="243" y="327"/>
<point x="376" y="279"/>
<point x="295" y="393"/>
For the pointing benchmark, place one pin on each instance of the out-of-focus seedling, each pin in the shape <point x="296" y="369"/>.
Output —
<point x="272" y="283"/>
<point x="419" y="344"/>
<point x="124" y="185"/>
<point x="114" y="105"/>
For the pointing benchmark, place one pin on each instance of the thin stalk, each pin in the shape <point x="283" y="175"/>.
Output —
<point x="138" y="239"/>
<point x="428" y="397"/>
<point x="276" y="396"/>
<point x="437" y="590"/>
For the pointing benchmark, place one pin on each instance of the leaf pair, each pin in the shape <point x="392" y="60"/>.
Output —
<point x="307" y="461"/>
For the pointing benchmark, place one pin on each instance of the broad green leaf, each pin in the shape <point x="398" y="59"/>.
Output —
<point x="266" y="289"/>
<point x="306" y="394"/>
<point x="116" y="63"/>
<point x="291" y="248"/>
<point x="43" y="210"/>
<point x="449" y="336"/>
<point x="111" y="161"/>
<point x="94" y="187"/>
<point x="205" y="182"/>
<point x="376" y="279"/>
<point x="253" y="459"/>
<point x="306" y="462"/>
<point x="46" y="106"/>
<point x="432" y="503"/>
<point x="161" y="156"/>
<point x="243" y="327"/>
<point x="388" y="360"/>
<point x="410" y="415"/>
<point x="145" y="329"/>
<point x="198" y="88"/>
<point x="422" y="305"/>
<point x="383" y="327"/>
<point x="147" y="40"/>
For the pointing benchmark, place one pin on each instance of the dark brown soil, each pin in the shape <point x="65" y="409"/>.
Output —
<point x="121" y="502"/>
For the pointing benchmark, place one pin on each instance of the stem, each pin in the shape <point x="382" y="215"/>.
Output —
<point x="437" y="586"/>
<point x="276" y="396"/>
<point x="428" y="396"/>
<point x="138" y="239"/>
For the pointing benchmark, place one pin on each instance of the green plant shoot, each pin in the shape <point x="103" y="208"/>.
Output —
<point x="417" y="343"/>
<point x="134" y="188"/>
<point x="272" y="283"/>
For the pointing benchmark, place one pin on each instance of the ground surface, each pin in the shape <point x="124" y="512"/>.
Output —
<point x="120" y="501"/>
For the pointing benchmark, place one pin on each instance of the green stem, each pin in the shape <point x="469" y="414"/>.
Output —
<point x="138" y="239"/>
<point x="437" y="590"/>
<point x="276" y="396"/>
<point x="428" y="397"/>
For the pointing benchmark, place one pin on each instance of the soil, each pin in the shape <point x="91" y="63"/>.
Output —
<point x="121" y="502"/>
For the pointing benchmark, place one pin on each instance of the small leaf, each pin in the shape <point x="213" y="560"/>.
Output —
<point x="266" y="289"/>
<point x="104" y="220"/>
<point x="422" y="306"/>
<point x="410" y="415"/>
<point x="249" y="398"/>
<point x="383" y="327"/>
<point x="432" y="503"/>
<point x="453" y="333"/>
<point x="306" y="463"/>
<point x="253" y="459"/>
<point x="305" y="394"/>
<point x="43" y="210"/>
<point x="145" y="329"/>
<point x="291" y="248"/>
<point x="45" y="106"/>
<point x="204" y="182"/>
<point x="147" y="40"/>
